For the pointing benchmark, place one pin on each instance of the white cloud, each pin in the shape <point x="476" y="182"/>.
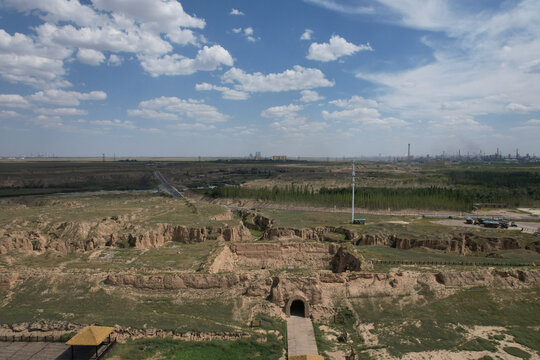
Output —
<point x="126" y="124"/>
<point x="358" y="114"/>
<point x="111" y="37"/>
<point x="282" y="111"/>
<point x="157" y="16"/>
<point x="66" y="98"/>
<point x="171" y="108"/>
<point x="306" y="35"/>
<point x="337" y="47"/>
<point x="532" y="122"/>
<point x="13" y="101"/>
<point x="354" y="102"/>
<point x="235" y="12"/>
<point x="483" y="67"/>
<point x="240" y="130"/>
<point x="90" y="56"/>
<point x="153" y="114"/>
<point x="290" y="121"/>
<point x="60" y="111"/>
<point x="207" y="59"/>
<point x="22" y="60"/>
<point x="310" y="96"/>
<point x="340" y="6"/>
<point x="456" y="124"/>
<point x="45" y="121"/>
<point x="145" y="28"/>
<point x="192" y="127"/>
<point x="298" y="78"/>
<point x="298" y="126"/>
<point x="8" y="114"/>
<point x="520" y="108"/>
<point x="358" y="110"/>
<point x="58" y="10"/>
<point x="114" y="60"/>
<point x="247" y="33"/>
<point x="226" y="93"/>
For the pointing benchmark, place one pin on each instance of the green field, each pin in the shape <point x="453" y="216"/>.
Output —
<point x="245" y="349"/>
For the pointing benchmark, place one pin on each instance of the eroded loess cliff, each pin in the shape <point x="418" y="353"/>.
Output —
<point x="67" y="237"/>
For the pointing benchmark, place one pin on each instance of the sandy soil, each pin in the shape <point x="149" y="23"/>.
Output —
<point x="530" y="211"/>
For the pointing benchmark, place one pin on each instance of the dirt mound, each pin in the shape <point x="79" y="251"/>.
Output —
<point x="279" y="256"/>
<point x="178" y="281"/>
<point x="285" y="288"/>
<point x="242" y="256"/>
<point x="320" y="233"/>
<point x="347" y="260"/>
<point x="255" y="221"/>
<point x="496" y="278"/>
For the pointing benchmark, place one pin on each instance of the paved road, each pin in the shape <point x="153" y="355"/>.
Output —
<point x="300" y="336"/>
<point x="166" y="187"/>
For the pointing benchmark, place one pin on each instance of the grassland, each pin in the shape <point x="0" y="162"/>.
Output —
<point x="434" y="324"/>
<point x="75" y="299"/>
<point x="141" y="208"/>
<point x="245" y="349"/>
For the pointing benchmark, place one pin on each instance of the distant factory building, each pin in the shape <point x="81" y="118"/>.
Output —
<point x="279" y="157"/>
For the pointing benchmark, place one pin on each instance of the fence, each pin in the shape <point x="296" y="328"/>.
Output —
<point x="108" y="348"/>
<point x="37" y="338"/>
<point x="457" y="263"/>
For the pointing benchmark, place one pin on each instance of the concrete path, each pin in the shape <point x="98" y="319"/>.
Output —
<point x="300" y="336"/>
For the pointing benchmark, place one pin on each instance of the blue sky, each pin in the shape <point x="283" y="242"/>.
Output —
<point x="301" y="78"/>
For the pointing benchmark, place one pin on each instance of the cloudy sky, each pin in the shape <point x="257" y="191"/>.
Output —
<point x="302" y="78"/>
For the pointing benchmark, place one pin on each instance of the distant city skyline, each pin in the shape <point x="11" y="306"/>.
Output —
<point x="312" y="78"/>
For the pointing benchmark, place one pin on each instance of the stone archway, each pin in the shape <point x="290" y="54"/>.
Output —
<point x="298" y="306"/>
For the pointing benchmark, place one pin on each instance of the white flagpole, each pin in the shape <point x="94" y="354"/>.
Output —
<point x="353" y="174"/>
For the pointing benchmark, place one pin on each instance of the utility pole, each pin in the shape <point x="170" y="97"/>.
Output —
<point x="353" y="175"/>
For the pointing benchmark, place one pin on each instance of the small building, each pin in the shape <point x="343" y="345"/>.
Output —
<point x="279" y="157"/>
<point x="359" y="221"/>
<point x="91" y="338"/>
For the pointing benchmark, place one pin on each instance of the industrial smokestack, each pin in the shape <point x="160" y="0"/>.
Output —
<point x="409" y="152"/>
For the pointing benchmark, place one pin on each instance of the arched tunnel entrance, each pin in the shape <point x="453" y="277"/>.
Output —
<point x="298" y="308"/>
